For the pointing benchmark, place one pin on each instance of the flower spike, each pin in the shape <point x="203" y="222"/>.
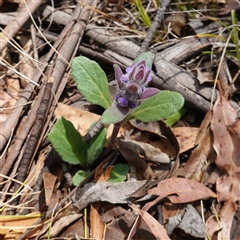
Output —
<point x="132" y="85"/>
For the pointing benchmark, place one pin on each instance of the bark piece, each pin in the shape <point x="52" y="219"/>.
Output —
<point x="106" y="191"/>
<point x="192" y="223"/>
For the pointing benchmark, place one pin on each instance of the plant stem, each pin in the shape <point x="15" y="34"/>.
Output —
<point x="108" y="149"/>
<point x="114" y="133"/>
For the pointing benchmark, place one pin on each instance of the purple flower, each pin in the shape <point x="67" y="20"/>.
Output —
<point x="133" y="84"/>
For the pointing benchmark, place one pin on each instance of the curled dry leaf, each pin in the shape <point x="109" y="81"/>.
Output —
<point x="177" y="21"/>
<point x="160" y="143"/>
<point x="97" y="226"/>
<point x="180" y="190"/>
<point x="49" y="181"/>
<point x="226" y="132"/>
<point x="153" y="141"/>
<point x="134" y="154"/>
<point x="159" y="130"/>
<point x="156" y="228"/>
<point x="119" y="222"/>
<point x="202" y="155"/>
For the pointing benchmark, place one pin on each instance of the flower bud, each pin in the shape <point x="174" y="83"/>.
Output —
<point x="132" y="86"/>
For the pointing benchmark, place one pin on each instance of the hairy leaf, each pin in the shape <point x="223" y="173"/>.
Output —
<point x="114" y="114"/>
<point x="95" y="146"/>
<point x="119" y="173"/>
<point x="145" y="56"/>
<point x="157" y="107"/>
<point x="91" y="81"/>
<point x="80" y="176"/>
<point x="175" y="117"/>
<point x="68" y="142"/>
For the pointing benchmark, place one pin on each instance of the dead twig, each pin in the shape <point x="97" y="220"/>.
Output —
<point x="157" y="20"/>
<point x="15" y="25"/>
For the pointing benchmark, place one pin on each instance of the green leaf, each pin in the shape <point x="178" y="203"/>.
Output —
<point x="91" y="81"/>
<point x="119" y="173"/>
<point x="145" y="56"/>
<point x="114" y="114"/>
<point x="175" y="117"/>
<point x="80" y="176"/>
<point x="95" y="146"/>
<point x="157" y="107"/>
<point x="68" y="142"/>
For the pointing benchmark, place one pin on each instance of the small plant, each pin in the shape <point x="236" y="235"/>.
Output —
<point x="134" y="100"/>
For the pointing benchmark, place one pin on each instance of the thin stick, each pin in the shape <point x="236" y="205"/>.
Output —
<point x="154" y="26"/>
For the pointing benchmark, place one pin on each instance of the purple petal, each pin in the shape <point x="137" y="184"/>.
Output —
<point x="128" y="69"/>
<point x="133" y="104"/>
<point x="122" y="101"/>
<point x="124" y="78"/>
<point x="131" y="73"/>
<point x="149" y="92"/>
<point x="139" y="74"/>
<point x="142" y="62"/>
<point x="147" y="77"/>
<point x="118" y="75"/>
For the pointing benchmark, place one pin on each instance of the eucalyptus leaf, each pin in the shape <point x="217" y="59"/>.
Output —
<point x="145" y="56"/>
<point x="157" y="107"/>
<point x="114" y="114"/>
<point x="91" y="81"/>
<point x="68" y="142"/>
<point x="95" y="146"/>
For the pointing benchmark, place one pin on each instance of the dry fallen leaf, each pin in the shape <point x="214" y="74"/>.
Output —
<point x="97" y="229"/>
<point x="159" y="143"/>
<point x="63" y="222"/>
<point x="156" y="228"/>
<point x="119" y="222"/>
<point x="186" y="137"/>
<point x="226" y="132"/>
<point x="18" y="224"/>
<point x="81" y="119"/>
<point x="177" y="21"/>
<point x="49" y="181"/>
<point x="200" y="158"/>
<point x="179" y="190"/>
<point x="202" y="155"/>
<point x="102" y="174"/>
<point x="135" y="155"/>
